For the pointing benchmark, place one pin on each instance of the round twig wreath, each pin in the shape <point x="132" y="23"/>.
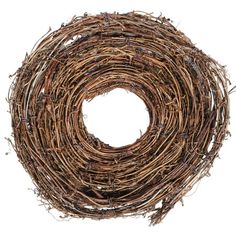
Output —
<point x="184" y="90"/>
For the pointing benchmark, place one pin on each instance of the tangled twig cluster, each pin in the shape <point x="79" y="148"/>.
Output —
<point x="184" y="90"/>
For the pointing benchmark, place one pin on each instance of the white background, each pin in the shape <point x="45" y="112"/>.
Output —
<point x="209" y="211"/>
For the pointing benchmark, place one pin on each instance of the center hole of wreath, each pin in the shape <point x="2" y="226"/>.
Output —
<point x="117" y="118"/>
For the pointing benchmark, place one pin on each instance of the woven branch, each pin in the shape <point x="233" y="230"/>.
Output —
<point x="184" y="90"/>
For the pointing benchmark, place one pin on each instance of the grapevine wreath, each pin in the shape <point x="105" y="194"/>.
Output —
<point x="185" y="92"/>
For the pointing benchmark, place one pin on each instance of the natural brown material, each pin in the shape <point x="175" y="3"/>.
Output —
<point x="184" y="90"/>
